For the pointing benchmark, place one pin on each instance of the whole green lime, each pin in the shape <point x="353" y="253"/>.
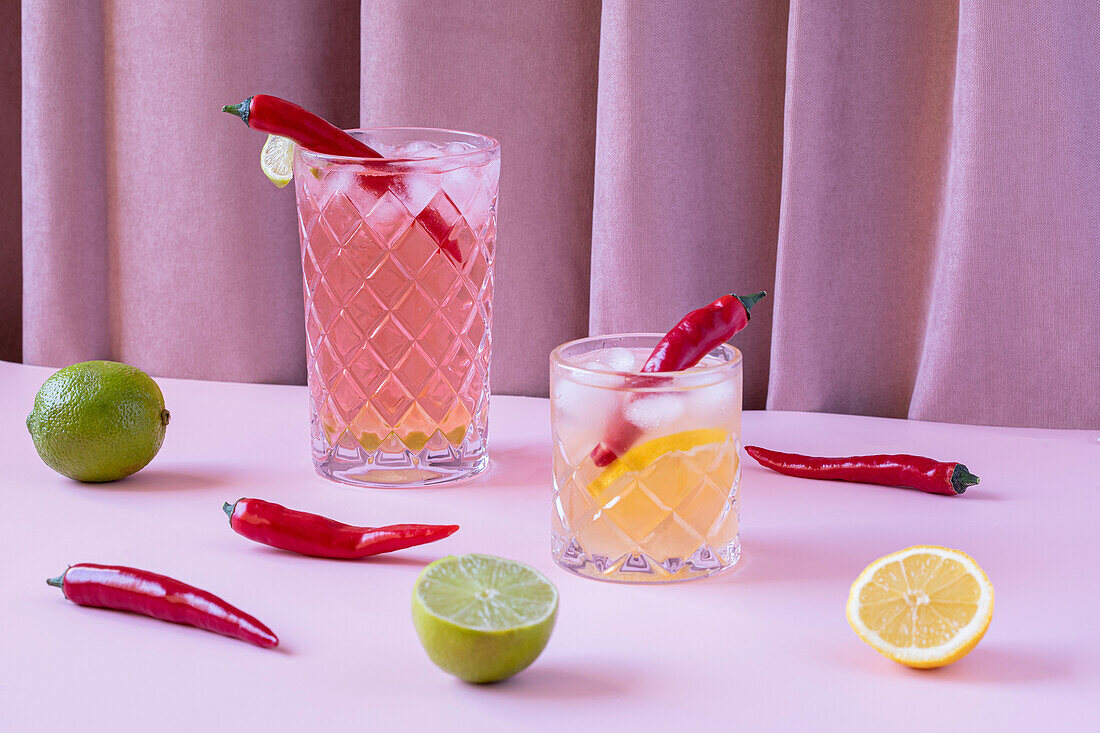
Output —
<point x="483" y="618"/>
<point x="98" y="421"/>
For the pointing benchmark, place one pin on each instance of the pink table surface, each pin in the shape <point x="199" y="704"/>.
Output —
<point x="764" y="647"/>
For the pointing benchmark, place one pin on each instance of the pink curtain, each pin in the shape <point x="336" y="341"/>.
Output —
<point x="11" y="257"/>
<point x="915" y="183"/>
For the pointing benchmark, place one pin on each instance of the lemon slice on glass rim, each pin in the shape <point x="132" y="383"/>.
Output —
<point x="923" y="607"/>
<point x="277" y="160"/>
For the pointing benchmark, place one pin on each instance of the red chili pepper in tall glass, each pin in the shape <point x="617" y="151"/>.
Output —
<point x="277" y="116"/>
<point x="912" y="472"/>
<point x="311" y="534"/>
<point x="696" y="335"/>
<point x="150" y="594"/>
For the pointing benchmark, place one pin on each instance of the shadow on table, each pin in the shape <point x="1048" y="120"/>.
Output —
<point x="774" y="558"/>
<point x="164" y="479"/>
<point x="989" y="663"/>
<point x="507" y="468"/>
<point x="521" y="465"/>
<point x="554" y="681"/>
<point x="402" y="559"/>
<point x="1007" y="664"/>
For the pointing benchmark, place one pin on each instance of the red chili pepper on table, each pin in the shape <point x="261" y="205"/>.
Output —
<point x="696" y="335"/>
<point x="311" y="534"/>
<point x="277" y="116"/>
<point x="150" y="594"/>
<point x="913" y="472"/>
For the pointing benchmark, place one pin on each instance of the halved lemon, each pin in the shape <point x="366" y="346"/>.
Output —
<point x="277" y="160"/>
<point x="923" y="606"/>
<point x="646" y="454"/>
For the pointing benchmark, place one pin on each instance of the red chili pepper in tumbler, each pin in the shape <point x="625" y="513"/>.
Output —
<point x="311" y="534"/>
<point x="912" y="472"/>
<point x="277" y="116"/>
<point x="696" y="335"/>
<point x="700" y="332"/>
<point x="150" y="594"/>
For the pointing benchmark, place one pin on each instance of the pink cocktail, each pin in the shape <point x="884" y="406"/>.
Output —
<point x="397" y="256"/>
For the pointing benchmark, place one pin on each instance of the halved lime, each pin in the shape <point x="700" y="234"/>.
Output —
<point x="483" y="618"/>
<point x="277" y="160"/>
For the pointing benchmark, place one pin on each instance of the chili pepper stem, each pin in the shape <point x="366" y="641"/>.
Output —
<point x="56" y="582"/>
<point x="228" y="509"/>
<point x="241" y="110"/>
<point x="750" y="300"/>
<point x="961" y="478"/>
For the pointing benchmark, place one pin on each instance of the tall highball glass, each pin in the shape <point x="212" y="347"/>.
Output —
<point x="397" y="259"/>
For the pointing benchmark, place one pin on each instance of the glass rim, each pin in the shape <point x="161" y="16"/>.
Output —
<point x="490" y="145"/>
<point x="643" y="380"/>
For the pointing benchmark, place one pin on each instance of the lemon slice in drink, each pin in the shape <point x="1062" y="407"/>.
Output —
<point x="277" y="160"/>
<point x="922" y="607"/>
<point x="483" y="618"/>
<point x="645" y="454"/>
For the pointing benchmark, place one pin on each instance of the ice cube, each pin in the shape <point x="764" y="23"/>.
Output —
<point x="593" y="364"/>
<point x="484" y="195"/>
<point x="386" y="150"/>
<point x="707" y="362"/>
<point x="417" y="149"/>
<point x="574" y="401"/>
<point x="461" y="186"/>
<point x="416" y="189"/>
<point x="355" y="185"/>
<point x="457" y="148"/>
<point x="714" y="404"/>
<point x="617" y="359"/>
<point x="650" y="411"/>
<point x="314" y="181"/>
<point x="343" y="179"/>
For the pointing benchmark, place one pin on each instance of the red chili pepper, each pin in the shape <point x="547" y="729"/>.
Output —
<point x="311" y="534"/>
<point x="696" y="335"/>
<point x="139" y="591"/>
<point x="700" y="332"/>
<point x="277" y="116"/>
<point x="913" y="472"/>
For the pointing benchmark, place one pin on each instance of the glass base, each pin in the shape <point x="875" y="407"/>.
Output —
<point x="641" y="568"/>
<point x="375" y="469"/>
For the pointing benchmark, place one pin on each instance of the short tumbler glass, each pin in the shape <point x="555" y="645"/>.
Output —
<point x="646" y="468"/>
<point x="397" y="259"/>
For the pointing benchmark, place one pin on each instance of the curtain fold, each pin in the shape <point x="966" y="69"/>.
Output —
<point x="149" y="234"/>
<point x="1014" y="324"/>
<point x="11" y="215"/>
<point x="917" y="185"/>
<point x="866" y="131"/>
<point x="524" y="73"/>
<point x="64" y="184"/>
<point x="688" y="166"/>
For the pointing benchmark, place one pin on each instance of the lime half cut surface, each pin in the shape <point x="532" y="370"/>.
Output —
<point x="277" y="160"/>
<point x="483" y="618"/>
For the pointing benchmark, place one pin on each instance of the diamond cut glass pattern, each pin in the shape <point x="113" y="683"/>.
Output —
<point x="667" y="508"/>
<point x="398" y="283"/>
